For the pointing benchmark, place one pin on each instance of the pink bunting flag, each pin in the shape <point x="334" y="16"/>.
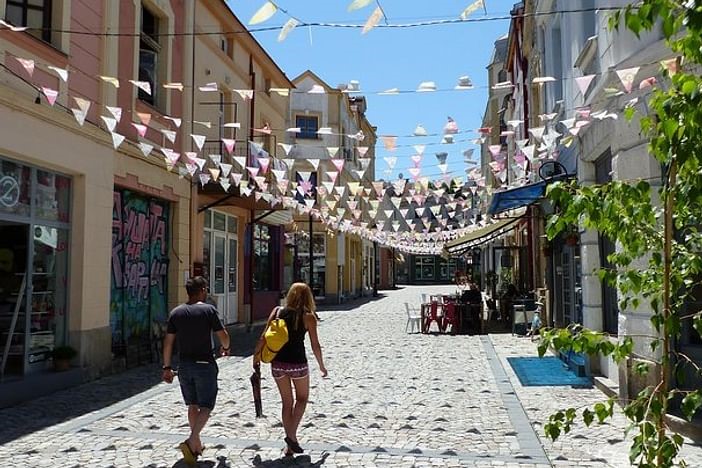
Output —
<point x="229" y="144"/>
<point x="253" y="171"/>
<point x="415" y="171"/>
<point x="141" y="129"/>
<point x="144" y="117"/>
<point x="236" y="178"/>
<point x="332" y="175"/>
<point x="339" y="164"/>
<point x="390" y="142"/>
<point x="27" y="64"/>
<point x="495" y="150"/>
<point x="583" y="83"/>
<point x="51" y="94"/>
<point x="417" y="159"/>
<point x="264" y="163"/>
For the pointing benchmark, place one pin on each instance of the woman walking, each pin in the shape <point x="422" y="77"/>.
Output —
<point x="289" y="367"/>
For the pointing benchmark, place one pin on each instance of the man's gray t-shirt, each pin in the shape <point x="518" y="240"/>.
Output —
<point x="193" y="325"/>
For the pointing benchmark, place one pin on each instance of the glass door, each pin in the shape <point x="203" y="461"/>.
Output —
<point x="48" y="288"/>
<point x="230" y="310"/>
<point x="217" y="286"/>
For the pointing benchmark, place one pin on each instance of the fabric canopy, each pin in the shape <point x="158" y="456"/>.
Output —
<point x="479" y="236"/>
<point x="516" y="197"/>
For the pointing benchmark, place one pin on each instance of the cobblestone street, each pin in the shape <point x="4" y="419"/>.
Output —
<point x="391" y="399"/>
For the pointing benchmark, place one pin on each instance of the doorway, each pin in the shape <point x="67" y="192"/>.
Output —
<point x="14" y="239"/>
<point x="221" y="256"/>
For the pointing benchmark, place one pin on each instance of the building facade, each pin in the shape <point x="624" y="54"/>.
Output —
<point x="333" y="154"/>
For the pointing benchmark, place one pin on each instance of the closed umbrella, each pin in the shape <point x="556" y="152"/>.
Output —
<point x="256" y="387"/>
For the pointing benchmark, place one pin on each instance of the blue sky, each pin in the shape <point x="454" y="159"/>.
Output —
<point x="397" y="58"/>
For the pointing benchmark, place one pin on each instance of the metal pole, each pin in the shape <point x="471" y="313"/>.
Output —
<point x="375" y="268"/>
<point x="311" y="256"/>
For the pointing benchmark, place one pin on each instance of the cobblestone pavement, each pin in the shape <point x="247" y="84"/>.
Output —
<point x="391" y="399"/>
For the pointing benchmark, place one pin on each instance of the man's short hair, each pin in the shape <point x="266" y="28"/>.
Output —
<point x="195" y="285"/>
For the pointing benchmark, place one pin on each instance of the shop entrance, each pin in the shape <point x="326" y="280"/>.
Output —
<point x="34" y="230"/>
<point x="220" y="258"/>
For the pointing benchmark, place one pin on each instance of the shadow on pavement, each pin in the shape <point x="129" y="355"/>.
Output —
<point x="350" y="305"/>
<point x="64" y="405"/>
<point x="33" y="415"/>
<point x="302" y="460"/>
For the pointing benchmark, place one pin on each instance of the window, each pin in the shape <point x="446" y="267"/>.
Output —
<point x="263" y="276"/>
<point x="149" y="49"/>
<point x="308" y="126"/>
<point x="34" y="14"/>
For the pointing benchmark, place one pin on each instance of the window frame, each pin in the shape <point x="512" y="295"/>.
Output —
<point x="148" y="42"/>
<point x="47" y="13"/>
<point x="306" y="135"/>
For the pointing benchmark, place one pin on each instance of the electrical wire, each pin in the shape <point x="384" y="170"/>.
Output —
<point x="329" y="25"/>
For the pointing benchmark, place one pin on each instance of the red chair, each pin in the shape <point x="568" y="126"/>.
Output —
<point x="433" y="316"/>
<point x="451" y="317"/>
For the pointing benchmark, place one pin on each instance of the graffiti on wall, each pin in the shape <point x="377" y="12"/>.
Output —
<point x="139" y="265"/>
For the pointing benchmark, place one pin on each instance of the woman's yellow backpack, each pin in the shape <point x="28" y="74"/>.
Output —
<point x="274" y="338"/>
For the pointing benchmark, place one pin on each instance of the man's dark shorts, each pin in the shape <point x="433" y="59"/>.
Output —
<point x="198" y="383"/>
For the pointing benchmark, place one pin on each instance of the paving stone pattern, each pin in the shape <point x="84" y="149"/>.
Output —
<point x="391" y="399"/>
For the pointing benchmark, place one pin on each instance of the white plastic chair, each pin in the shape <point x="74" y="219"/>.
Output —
<point x="413" y="318"/>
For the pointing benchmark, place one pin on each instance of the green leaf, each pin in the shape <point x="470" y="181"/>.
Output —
<point x="633" y="23"/>
<point x="588" y="417"/>
<point x="691" y="403"/>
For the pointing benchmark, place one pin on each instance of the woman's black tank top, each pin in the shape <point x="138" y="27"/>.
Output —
<point x="294" y="350"/>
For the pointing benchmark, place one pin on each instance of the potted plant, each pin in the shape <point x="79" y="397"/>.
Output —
<point x="62" y="357"/>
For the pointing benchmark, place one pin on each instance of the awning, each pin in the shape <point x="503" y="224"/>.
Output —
<point x="516" y="197"/>
<point x="479" y="236"/>
<point x="274" y="217"/>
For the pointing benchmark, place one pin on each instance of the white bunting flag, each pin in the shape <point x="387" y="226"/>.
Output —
<point x="209" y="88"/>
<point x="110" y="79"/>
<point x="332" y="151"/>
<point x="145" y="148"/>
<point x="117" y="139"/>
<point x="240" y="160"/>
<point x="286" y="148"/>
<point x="176" y="121"/>
<point x="287" y="29"/>
<point x="110" y="123"/>
<point x="264" y="13"/>
<point x="314" y="162"/>
<point x="142" y="85"/>
<point x="200" y="142"/>
<point x="169" y="134"/>
<point x="61" y="72"/>
<point x="476" y="5"/>
<point x="245" y="93"/>
<point x="116" y="112"/>
<point x="176" y="86"/>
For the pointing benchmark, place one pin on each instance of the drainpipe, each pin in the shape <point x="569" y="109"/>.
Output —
<point x="252" y="214"/>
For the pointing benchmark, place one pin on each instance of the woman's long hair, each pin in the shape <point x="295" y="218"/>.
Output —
<point x="301" y="300"/>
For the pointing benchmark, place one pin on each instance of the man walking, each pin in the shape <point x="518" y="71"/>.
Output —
<point x="192" y="325"/>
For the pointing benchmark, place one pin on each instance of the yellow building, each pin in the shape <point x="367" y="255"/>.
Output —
<point x="329" y="152"/>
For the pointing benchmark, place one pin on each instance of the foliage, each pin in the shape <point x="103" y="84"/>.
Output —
<point x="649" y="268"/>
